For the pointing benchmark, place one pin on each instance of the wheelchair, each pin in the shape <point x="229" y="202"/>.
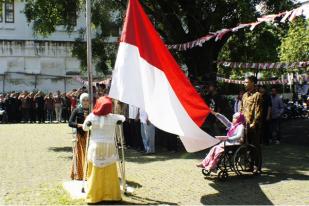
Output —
<point x="239" y="159"/>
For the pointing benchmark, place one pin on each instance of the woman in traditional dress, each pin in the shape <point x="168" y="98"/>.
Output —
<point x="102" y="178"/>
<point x="76" y="121"/>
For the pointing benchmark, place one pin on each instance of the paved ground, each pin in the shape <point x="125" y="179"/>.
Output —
<point x="35" y="160"/>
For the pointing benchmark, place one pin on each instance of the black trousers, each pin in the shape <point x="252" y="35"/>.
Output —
<point x="66" y="113"/>
<point x="265" y="132"/>
<point x="127" y="133"/>
<point x="135" y="135"/>
<point x="32" y="114"/>
<point x="40" y="115"/>
<point x="170" y="141"/>
<point x="254" y="138"/>
<point x="25" y="114"/>
<point x="276" y="130"/>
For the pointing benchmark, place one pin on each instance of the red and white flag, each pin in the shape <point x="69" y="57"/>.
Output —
<point x="147" y="76"/>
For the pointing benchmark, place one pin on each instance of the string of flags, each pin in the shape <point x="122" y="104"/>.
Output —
<point x="291" y="79"/>
<point x="85" y="82"/>
<point x="273" y="65"/>
<point x="218" y="35"/>
<point x="80" y="80"/>
<point x="269" y="82"/>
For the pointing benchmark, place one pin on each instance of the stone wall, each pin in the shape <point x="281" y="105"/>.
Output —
<point x="44" y="65"/>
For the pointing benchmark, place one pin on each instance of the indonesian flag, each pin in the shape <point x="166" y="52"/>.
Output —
<point x="147" y="76"/>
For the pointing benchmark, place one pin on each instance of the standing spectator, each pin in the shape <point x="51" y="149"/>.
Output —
<point x="276" y="112"/>
<point x="121" y="108"/>
<point x="148" y="132"/>
<point x="73" y="98"/>
<point x="76" y="121"/>
<point x="66" y="107"/>
<point x="252" y="109"/>
<point x="58" y="106"/>
<point x="32" y="109"/>
<point x="170" y="141"/>
<point x="218" y="104"/>
<point x="17" y="108"/>
<point x="266" y="116"/>
<point x="9" y="102"/>
<point x="39" y="105"/>
<point x="2" y="109"/>
<point x="49" y="106"/>
<point x="25" y="106"/>
<point x="237" y="103"/>
<point x="134" y="127"/>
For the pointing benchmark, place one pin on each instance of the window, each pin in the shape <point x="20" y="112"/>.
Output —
<point x="9" y="11"/>
<point x="1" y="12"/>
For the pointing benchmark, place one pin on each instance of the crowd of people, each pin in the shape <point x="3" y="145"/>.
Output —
<point x="38" y="107"/>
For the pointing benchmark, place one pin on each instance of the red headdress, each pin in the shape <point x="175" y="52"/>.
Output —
<point x="103" y="106"/>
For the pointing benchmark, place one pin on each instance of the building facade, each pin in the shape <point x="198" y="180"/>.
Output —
<point x="29" y="62"/>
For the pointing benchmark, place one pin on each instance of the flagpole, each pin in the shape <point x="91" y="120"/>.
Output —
<point x="89" y="51"/>
<point x="90" y="90"/>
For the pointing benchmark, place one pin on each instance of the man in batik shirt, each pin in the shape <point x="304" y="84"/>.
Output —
<point x="252" y="108"/>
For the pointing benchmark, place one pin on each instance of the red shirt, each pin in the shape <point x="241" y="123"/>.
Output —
<point x="73" y="102"/>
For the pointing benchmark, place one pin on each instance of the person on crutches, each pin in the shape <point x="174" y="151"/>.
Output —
<point x="102" y="154"/>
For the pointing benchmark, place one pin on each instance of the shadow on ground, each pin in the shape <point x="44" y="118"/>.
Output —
<point x="141" y="201"/>
<point x="281" y="163"/>
<point x="60" y="149"/>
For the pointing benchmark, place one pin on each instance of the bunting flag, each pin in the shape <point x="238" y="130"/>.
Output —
<point x="85" y="82"/>
<point x="273" y="65"/>
<point x="291" y="79"/>
<point x="218" y="35"/>
<point x="147" y="76"/>
<point x="269" y="82"/>
<point x="80" y="80"/>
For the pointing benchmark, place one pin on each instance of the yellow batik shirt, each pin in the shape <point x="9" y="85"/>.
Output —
<point x="252" y="108"/>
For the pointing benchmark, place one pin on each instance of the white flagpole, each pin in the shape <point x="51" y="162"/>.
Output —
<point x="89" y="52"/>
<point x="89" y="70"/>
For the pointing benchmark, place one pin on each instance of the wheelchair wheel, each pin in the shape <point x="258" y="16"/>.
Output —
<point x="205" y="172"/>
<point x="226" y="162"/>
<point x="223" y="175"/>
<point x="245" y="158"/>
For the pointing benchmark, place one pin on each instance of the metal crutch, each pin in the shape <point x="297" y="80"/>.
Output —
<point x="119" y="142"/>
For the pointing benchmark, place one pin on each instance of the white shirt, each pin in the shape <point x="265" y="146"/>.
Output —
<point x="237" y="105"/>
<point x="143" y="116"/>
<point x="132" y="112"/>
<point x="102" y="150"/>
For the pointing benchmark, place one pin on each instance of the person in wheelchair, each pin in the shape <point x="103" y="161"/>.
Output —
<point x="235" y="136"/>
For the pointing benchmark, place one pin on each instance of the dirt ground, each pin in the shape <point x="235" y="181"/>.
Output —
<point x="35" y="161"/>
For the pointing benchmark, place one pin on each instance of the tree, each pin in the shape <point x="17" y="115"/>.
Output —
<point x="177" y="21"/>
<point x="260" y="45"/>
<point x="295" y="46"/>
<point x="46" y="15"/>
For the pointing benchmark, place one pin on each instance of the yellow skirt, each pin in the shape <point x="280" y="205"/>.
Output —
<point x="102" y="183"/>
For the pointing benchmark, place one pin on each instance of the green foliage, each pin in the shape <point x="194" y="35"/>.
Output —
<point x="259" y="45"/>
<point x="295" y="46"/>
<point x="177" y="21"/>
<point x="106" y="20"/>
